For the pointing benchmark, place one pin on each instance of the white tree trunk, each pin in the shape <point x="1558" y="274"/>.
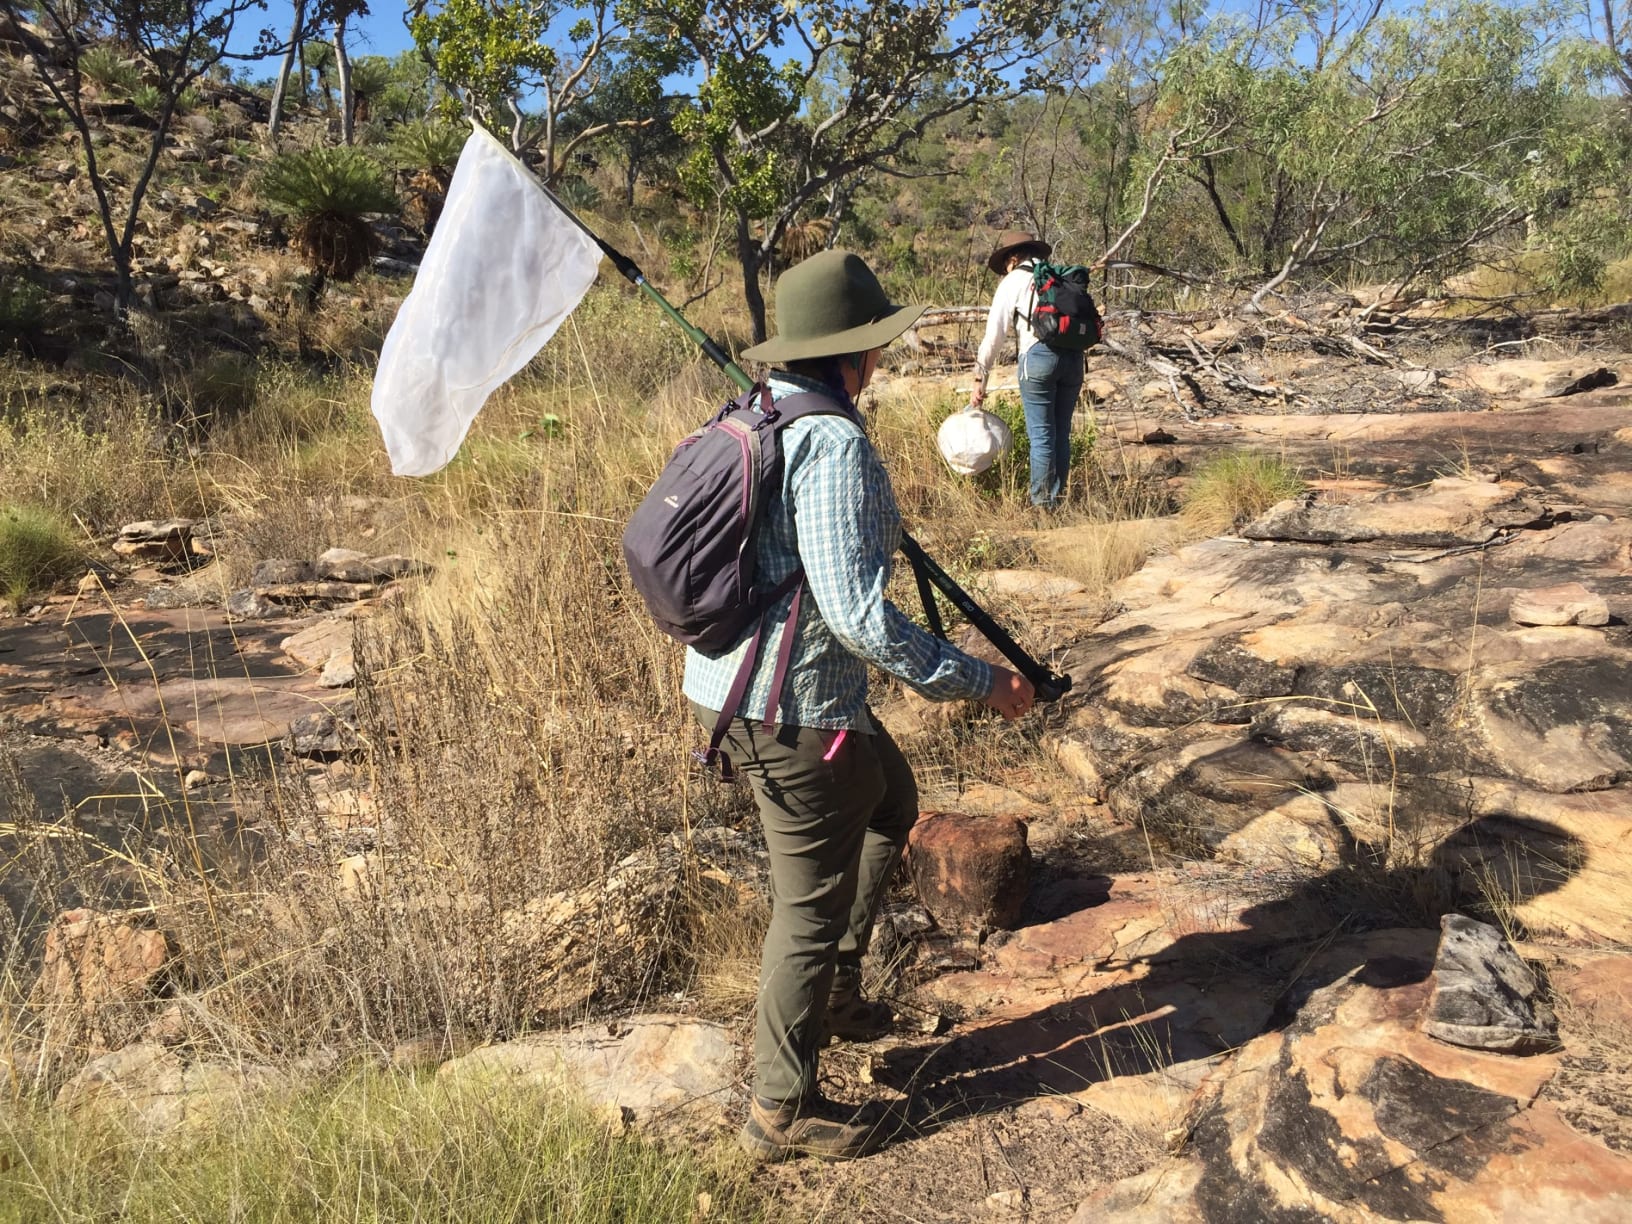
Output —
<point x="342" y="69"/>
<point x="284" y="69"/>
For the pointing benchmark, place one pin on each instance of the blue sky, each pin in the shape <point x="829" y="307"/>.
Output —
<point x="380" y="33"/>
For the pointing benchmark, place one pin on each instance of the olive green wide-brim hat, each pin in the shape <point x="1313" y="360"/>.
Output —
<point x="830" y="305"/>
<point x="1016" y="242"/>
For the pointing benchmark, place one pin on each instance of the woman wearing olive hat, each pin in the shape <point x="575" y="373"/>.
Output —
<point x="1050" y="379"/>
<point x="835" y="795"/>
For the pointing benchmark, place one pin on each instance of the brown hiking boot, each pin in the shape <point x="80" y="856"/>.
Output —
<point x="814" y="1126"/>
<point x="856" y="1018"/>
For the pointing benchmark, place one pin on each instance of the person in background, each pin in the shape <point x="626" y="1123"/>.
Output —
<point x="835" y="795"/>
<point x="1050" y="379"/>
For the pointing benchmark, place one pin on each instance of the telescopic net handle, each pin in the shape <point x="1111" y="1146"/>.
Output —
<point x="1049" y="685"/>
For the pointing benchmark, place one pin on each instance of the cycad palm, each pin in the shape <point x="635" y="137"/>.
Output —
<point x="328" y="192"/>
<point x="428" y="150"/>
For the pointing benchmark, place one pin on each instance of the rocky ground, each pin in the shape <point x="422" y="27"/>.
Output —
<point x="1335" y="923"/>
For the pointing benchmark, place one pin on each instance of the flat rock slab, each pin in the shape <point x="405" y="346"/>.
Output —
<point x="649" y="1065"/>
<point x="185" y="681"/>
<point x="1448" y="513"/>
<point x="1599" y="989"/>
<point x="1351" y="1115"/>
<point x="1564" y="724"/>
<point x="1538" y="380"/>
<point x="1567" y="604"/>
<point x="232" y="710"/>
<point x="1036" y="585"/>
<point x="1565" y="859"/>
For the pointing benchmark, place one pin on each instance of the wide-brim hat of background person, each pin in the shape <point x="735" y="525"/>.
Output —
<point x="829" y="305"/>
<point x="1017" y="242"/>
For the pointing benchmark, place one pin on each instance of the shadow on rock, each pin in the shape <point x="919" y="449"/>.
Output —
<point x="1165" y="976"/>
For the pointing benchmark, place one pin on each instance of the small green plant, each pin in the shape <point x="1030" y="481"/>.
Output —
<point x="1235" y="487"/>
<point x="104" y="66"/>
<point x="22" y="308"/>
<point x="329" y="192"/>
<point x="681" y="243"/>
<point x="578" y="194"/>
<point x="430" y="145"/>
<point x="37" y="549"/>
<point x="149" y="99"/>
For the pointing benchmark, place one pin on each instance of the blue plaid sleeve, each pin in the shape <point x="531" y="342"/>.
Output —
<point x="848" y="529"/>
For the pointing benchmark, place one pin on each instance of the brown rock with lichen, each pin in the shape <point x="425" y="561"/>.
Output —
<point x="971" y="872"/>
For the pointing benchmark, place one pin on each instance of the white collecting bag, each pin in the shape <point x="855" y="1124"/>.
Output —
<point x="972" y="440"/>
<point x="503" y="270"/>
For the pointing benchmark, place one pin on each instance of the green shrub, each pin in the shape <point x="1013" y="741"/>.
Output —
<point x="430" y="144"/>
<point x="22" y="307"/>
<point x="329" y="191"/>
<point x="149" y="99"/>
<point x="37" y="549"/>
<point x="578" y="194"/>
<point x="104" y="66"/>
<point x="1236" y="487"/>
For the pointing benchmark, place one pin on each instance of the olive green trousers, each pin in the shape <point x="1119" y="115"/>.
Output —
<point x="836" y="818"/>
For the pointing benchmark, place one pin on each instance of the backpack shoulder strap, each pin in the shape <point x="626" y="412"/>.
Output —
<point x="778" y="414"/>
<point x="791" y="408"/>
<point x="1033" y="266"/>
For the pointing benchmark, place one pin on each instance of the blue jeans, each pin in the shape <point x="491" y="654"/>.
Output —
<point x="1050" y="382"/>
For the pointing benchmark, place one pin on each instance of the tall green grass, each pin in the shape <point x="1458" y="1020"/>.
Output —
<point x="377" y="1147"/>
<point x="37" y="548"/>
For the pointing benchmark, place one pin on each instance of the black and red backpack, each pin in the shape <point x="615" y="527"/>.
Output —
<point x="1064" y="315"/>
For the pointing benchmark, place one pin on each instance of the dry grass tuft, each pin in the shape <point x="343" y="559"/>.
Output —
<point x="1236" y="487"/>
<point x="1099" y="555"/>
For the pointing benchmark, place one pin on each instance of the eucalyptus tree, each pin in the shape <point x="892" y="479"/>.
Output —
<point x="1394" y="146"/>
<point x="793" y="103"/>
<point x="500" y="56"/>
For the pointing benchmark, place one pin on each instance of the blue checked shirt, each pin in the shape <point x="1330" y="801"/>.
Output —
<point x="836" y="513"/>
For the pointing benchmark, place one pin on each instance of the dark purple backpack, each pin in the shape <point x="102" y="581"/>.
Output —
<point x="690" y="544"/>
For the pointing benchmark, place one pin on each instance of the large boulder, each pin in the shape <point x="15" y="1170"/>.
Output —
<point x="317" y="643"/>
<point x="156" y="1089"/>
<point x="155" y="540"/>
<point x="97" y="968"/>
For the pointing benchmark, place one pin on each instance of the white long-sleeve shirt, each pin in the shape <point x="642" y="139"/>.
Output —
<point x="1010" y="314"/>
